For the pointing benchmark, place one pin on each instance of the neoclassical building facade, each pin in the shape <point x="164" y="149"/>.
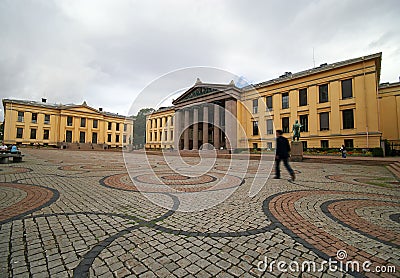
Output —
<point x="71" y="125"/>
<point x="336" y="104"/>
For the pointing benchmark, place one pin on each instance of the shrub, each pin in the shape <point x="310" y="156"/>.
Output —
<point x="377" y="152"/>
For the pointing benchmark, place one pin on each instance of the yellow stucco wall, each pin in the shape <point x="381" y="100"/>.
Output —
<point x="160" y="129"/>
<point x="389" y="105"/>
<point x="375" y="118"/>
<point x="58" y="124"/>
<point x="364" y="76"/>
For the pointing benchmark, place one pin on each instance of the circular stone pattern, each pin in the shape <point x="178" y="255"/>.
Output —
<point x="341" y="207"/>
<point x="22" y="199"/>
<point x="252" y="169"/>
<point x="171" y="182"/>
<point x="14" y="170"/>
<point x="173" y="179"/>
<point x="344" y="212"/>
<point x="93" y="167"/>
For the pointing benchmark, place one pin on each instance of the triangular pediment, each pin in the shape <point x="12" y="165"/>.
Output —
<point x="197" y="92"/>
<point x="81" y="108"/>
<point x="205" y="90"/>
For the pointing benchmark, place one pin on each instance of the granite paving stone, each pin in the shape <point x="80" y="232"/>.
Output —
<point x="106" y="214"/>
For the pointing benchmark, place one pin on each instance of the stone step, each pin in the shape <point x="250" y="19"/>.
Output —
<point x="395" y="169"/>
<point x="84" y="146"/>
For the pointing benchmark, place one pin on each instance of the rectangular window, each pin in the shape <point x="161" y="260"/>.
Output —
<point x="255" y="146"/>
<point x="82" y="136"/>
<point x="20" y="116"/>
<point x="68" y="136"/>
<point x="109" y="137"/>
<point x="95" y="123"/>
<point x="69" y="121"/>
<point x="165" y="135"/>
<point x="125" y="127"/>
<point x="33" y="133"/>
<point x="302" y="97"/>
<point x="255" y="128"/>
<point x="270" y="127"/>
<point x="348" y="143"/>
<point x="285" y="125"/>
<point x="117" y="138"/>
<point x="269" y="145"/>
<point x="124" y="138"/>
<point x="285" y="100"/>
<point x="117" y="126"/>
<point x="172" y="135"/>
<point x="34" y="118"/>
<point x="305" y="147"/>
<point x="324" y="121"/>
<point x="323" y="93"/>
<point x="46" y="134"/>
<point x="324" y="144"/>
<point x="255" y="106"/>
<point x="347" y="89"/>
<point x="268" y="101"/>
<point x="94" y="138"/>
<point x="109" y="126"/>
<point x="172" y="121"/>
<point x="161" y="122"/>
<point x="46" y="119"/>
<point x="304" y="123"/>
<point x="83" y="122"/>
<point x="20" y="132"/>
<point x="348" y="119"/>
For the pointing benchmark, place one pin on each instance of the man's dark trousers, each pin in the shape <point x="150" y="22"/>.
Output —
<point x="285" y="163"/>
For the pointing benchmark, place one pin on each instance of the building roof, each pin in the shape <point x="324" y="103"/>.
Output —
<point x="60" y="106"/>
<point x="323" y="67"/>
<point x="388" y="85"/>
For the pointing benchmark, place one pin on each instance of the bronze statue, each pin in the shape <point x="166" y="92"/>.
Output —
<point x="296" y="130"/>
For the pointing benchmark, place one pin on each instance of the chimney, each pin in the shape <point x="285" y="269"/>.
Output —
<point x="44" y="100"/>
<point x="100" y="109"/>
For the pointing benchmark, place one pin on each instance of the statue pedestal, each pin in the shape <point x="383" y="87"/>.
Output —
<point x="296" y="151"/>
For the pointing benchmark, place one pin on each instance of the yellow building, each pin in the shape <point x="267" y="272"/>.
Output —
<point x="160" y="129"/>
<point x="389" y="105"/>
<point x="70" y="126"/>
<point x="336" y="104"/>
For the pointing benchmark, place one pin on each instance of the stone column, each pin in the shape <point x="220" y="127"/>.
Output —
<point x="216" y="129"/>
<point x="205" y="124"/>
<point x="177" y="129"/>
<point x="195" y="129"/>
<point x="186" y="131"/>
<point x="231" y="124"/>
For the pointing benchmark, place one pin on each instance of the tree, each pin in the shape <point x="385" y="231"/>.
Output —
<point x="139" y="134"/>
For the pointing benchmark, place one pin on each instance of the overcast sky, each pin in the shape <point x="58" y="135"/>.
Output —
<point x="107" y="52"/>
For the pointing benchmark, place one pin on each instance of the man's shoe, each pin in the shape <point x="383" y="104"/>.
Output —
<point x="277" y="178"/>
<point x="293" y="176"/>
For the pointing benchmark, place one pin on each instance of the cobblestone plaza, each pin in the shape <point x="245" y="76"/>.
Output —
<point x="80" y="213"/>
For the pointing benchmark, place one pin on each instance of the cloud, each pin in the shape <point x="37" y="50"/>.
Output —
<point x="106" y="52"/>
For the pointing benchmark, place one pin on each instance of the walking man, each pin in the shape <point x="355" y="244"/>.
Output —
<point x="282" y="153"/>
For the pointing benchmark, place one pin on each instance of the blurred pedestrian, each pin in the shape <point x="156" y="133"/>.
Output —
<point x="282" y="153"/>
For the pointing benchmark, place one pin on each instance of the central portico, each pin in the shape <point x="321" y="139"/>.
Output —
<point x="206" y="114"/>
